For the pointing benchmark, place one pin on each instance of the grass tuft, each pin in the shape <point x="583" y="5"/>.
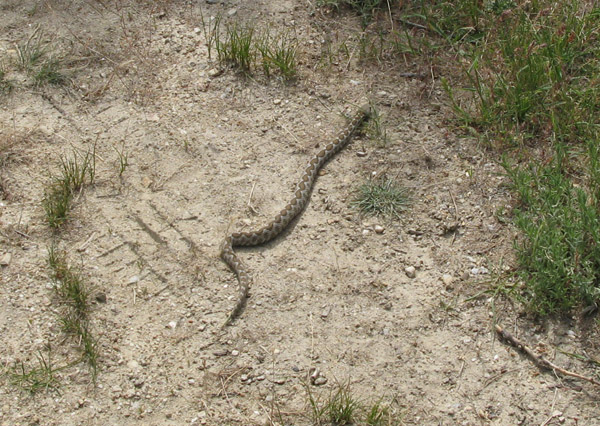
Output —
<point x="75" y="172"/>
<point x="381" y="197"/>
<point x="342" y="407"/>
<point x="34" y="379"/>
<point x="36" y="58"/>
<point x="49" y="73"/>
<point x="278" y="52"/>
<point x="74" y="295"/>
<point x="237" y="48"/>
<point x="246" y="48"/>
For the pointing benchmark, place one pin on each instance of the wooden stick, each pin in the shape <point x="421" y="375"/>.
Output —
<point x="539" y="360"/>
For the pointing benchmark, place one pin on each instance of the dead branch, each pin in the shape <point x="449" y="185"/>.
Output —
<point x="537" y="359"/>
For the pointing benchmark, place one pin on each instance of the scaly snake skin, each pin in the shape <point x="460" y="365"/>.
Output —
<point x="291" y="210"/>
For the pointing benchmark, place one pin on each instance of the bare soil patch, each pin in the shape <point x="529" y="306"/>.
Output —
<point x="212" y="152"/>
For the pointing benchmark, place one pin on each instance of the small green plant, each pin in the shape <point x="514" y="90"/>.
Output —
<point x="378" y="414"/>
<point x="30" y="52"/>
<point x="75" y="172"/>
<point x="123" y="159"/>
<point x="560" y="254"/>
<point x="49" y="73"/>
<point x="376" y="129"/>
<point x="278" y="52"/>
<point x="68" y="284"/>
<point x="74" y="295"/>
<point x="36" y="58"/>
<point x="342" y="406"/>
<point x="211" y="28"/>
<point x="246" y="48"/>
<point x="381" y="197"/>
<point x="34" y="379"/>
<point x="237" y="47"/>
<point x="57" y="203"/>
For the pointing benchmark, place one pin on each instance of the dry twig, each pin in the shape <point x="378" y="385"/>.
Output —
<point x="537" y="359"/>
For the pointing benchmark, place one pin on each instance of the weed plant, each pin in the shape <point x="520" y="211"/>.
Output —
<point x="533" y="79"/>
<point x="35" y="56"/>
<point x="343" y="407"/>
<point x="247" y="49"/>
<point x="381" y="197"/>
<point x="75" y="172"/>
<point x="74" y="296"/>
<point x="34" y="379"/>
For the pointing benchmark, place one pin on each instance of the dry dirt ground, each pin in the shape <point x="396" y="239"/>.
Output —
<point x="212" y="152"/>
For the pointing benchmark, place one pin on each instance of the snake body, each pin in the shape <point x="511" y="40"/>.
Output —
<point x="291" y="210"/>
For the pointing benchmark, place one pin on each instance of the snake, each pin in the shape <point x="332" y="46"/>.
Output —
<point x="292" y="209"/>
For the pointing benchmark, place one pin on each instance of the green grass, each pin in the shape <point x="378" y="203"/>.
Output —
<point x="123" y="159"/>
<point x="559" y="254"/>
<point x="381" y="197"/>
<point x="74" y="173"/>
<point x="36" y="57"/>
<point x="342" y="407"/>
<point x="364" y="8"/>
<point x="49" y="73"/>
<point x="34" y="379"/>
<point x="74" y="296"/>
<point x="31" y="51"/>
<point x="531" y="90"/>
<point x="237" y="48"/>
<point x="278" y="52"/>
<point x="375" y="128"/>
<point x="248" y="49"/>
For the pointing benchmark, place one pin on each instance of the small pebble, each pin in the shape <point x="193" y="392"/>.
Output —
<point x="479" y="271"/>
<point x="235" y="352"/>
<point x="134" y="279"/>
<point x="5" y="259"/>
<point x="172" y="324"/>
<point x="447" y="279"/>
<point x="361" y="154"/>
<point x="276" y="101"/>
<point x="215" y="72"/>
<point x="379" y="229"/>
<point x="319" y="381"/>
<point x="410" y="271"/>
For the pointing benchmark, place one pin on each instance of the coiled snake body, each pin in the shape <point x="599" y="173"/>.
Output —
<point x="291" y="210"/>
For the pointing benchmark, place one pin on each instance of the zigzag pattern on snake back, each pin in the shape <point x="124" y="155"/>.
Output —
<point x="291" y="210"/>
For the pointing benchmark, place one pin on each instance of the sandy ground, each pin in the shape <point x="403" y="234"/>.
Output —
<point x="211" y="152"/>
